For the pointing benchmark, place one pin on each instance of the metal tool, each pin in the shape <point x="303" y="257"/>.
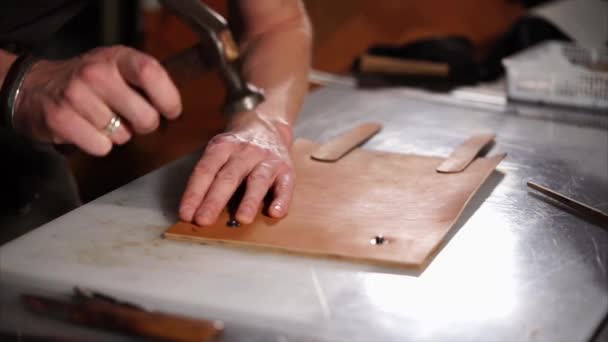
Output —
<point x="101" y="311"/>
<point x="218" y="47"/>
<point x="84" y="295"/>
<point x="582" y="208"/>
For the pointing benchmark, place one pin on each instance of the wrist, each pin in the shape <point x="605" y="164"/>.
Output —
<point x="258" y="120"/>
<point x="286" y="131"/>
<point x="11" y="88"/>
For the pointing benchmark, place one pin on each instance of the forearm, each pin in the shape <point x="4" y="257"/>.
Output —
<point x="278" y="60"/>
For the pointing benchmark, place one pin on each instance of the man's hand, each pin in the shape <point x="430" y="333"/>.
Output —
<point x="255" y="150"/>
<point x="72" y="101"/>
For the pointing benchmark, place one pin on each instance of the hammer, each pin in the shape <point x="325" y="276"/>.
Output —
<point x="218" y="48"/>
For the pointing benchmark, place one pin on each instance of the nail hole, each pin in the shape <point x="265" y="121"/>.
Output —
<point x="378" y="240"/>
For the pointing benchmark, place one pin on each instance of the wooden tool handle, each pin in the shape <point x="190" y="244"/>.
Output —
<point x="464" y="154"/>
<point x="398" y="66"/>
<point x="126" y="320"/>
<point x="340" y="146"/>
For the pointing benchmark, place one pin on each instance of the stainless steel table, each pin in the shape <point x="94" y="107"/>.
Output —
<point x="516" y="268"/>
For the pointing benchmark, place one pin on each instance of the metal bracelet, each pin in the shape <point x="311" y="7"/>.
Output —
<point x="11" y="88"/>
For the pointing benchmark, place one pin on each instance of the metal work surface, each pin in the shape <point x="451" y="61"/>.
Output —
<point x="517" y="267"/>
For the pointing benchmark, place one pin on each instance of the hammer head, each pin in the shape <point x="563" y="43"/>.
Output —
<point x="241" y="95"/>
<point x="242" y="99"/>
<point x="219" y="49"/>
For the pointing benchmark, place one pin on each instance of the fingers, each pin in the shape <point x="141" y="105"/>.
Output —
<point x="69" y="127"/>
<point x="87" y="104"/>
<point x="221" y="190"/>
<point x="216" y="178"/>
<point x="259" y="182"/>
<point x="147" y="74"/>
<point x="108" y="84"/>
<point x="83" y="94"/>
<point x="202" y="176"/>
<point x="117" y="79"/>
<point x="283" y="192"/>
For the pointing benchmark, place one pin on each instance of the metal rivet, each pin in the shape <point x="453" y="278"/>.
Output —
<point x="233" y="223"/>
<point x="378" y="240"/>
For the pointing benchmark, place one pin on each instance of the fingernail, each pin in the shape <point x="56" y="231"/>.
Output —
<point x="244" y="219"/>
<point x="202" y="219"/>
<point x="187" y="210"/>
<point x="244" y="213"/>
<point x="278" y="207"/>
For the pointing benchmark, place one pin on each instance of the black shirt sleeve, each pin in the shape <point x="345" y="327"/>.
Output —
<point x="28" y="23"/>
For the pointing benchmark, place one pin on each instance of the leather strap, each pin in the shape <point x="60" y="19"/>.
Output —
<point x="337" y="148"/>
<point x="11" y="88"/>
<point x="464" y="154"/>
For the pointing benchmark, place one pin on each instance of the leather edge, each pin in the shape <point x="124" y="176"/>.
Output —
<point x="450" y="225"/>
<point x="464" y="154"/>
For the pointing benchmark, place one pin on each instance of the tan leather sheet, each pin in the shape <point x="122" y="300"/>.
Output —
<point x="339" y="208"/>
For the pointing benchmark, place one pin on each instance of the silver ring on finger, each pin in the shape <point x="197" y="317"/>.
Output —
<point x="113" y="125"/>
